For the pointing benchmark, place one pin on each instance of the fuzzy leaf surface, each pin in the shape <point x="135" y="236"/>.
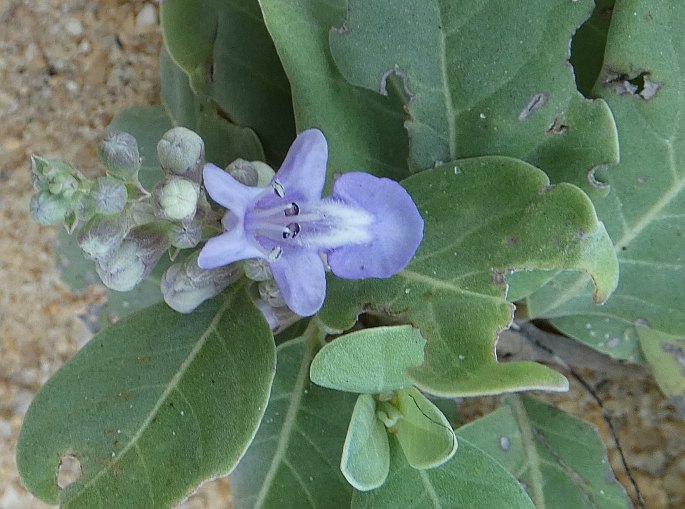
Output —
<point x="369" y="361"/>
<point x="471" y="478"/>
<point x="560" y="459"/>
<point x="666" y="355"/>
<point x="364" y="130"/>
<point x="482" y="78"/>
<point x="224" y="141"/>
<point x="151" y="406"/>
<point x="225" y="49"/>
<point x="294" y="461"/>
<point x="365" y="461"/>
<point x="643" y="80"/>
<point x="454" y="289"/>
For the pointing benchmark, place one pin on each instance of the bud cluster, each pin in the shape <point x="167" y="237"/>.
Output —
<point x="125" y="229"/>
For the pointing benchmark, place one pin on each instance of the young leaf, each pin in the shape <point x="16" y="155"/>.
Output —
<point x="293" y="461"/>
<point x="151" y="406"/>
<point x="482" y="78"/>
<point x="642" y="80"/>
<point x="666" y="355"/>
<point x="367" y="128"/>
<point x="225" y="49"/>
<point x="483" y="216"/>
<point x="560" y="459"/>
<point x="425" y="435"/>
<point x="224" y="140"/>
<point x="369" y="361"/>
<point x="365" y="461"/>
<point x="471" y="479"/>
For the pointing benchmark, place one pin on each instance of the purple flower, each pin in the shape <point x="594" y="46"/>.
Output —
<point x="369" y="227"/>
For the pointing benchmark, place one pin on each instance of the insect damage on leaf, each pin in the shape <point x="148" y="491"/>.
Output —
<point x="536" y="102"/>
<point x="638" y="84"/>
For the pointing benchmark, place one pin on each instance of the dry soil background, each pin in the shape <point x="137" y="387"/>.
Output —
<point x="66" y="67"/>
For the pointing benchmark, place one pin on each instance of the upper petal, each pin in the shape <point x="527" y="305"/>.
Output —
<point x="303" y="172"/>
<point x="227" y="191"/>
<point x="227" y="248"/>
<point x="301" y="278"/>
<point x="397" y="229"/>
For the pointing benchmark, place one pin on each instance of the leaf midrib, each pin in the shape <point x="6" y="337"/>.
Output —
<point x="173" y="384"/>
<point x="287" y="431"/>
<point x="530" y="450"/>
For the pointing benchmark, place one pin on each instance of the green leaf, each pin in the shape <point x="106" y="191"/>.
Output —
<point x="293" y="461"/>
<point x="152" y="406"/>
<point x="643" y="73"/>
<point x="482" y="78"/>
<point x="369" y="361"/>
<point x="587" y="47"/>
<point x="365" y="461"/>
<point x="225" y="49"/>
<point x="560" y="459"/>
<point x="364" y="130"/>
<point x="423" y="432"/>
<point x="224" y="141"/>
<point x="470" y="479"/>
<point x="74" y="270"/>
<point x="147" y="124"/>
<point x="483" y="216"/>
<point x="666" y="355"/>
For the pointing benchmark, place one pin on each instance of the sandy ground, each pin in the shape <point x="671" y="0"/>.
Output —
<point x="66" y="67"/>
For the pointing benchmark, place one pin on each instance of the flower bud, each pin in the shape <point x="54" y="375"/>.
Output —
<point x="63" y="184"/>
<point x="119" y="153"/>
<point x="47" y="208"/>
<point x="278" y="318"/>
<point x="185" y="285"/>
<point x="134" y="259"/>
<point x="269" y="293"/>
<point x="84" y="206"/>
<point x="101" y="236"/>
<point x="181" y="151"/>
<point x="251" y="173"/>
<point x="110" y="195"/>
<point x="257" y="269"/>
<point x="186" y="234"/>
<point x="177" y="198"/>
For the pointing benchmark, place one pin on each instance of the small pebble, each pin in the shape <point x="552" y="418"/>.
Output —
<point x="73" y="27"/>
<point x="147" y="17"/>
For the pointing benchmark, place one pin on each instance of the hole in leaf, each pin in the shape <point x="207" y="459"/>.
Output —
<point x="639" y="85"/>
<point x="68" y="471"/>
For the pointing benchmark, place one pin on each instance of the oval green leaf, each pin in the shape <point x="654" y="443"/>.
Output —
<point x="151" y="406"/>
<point x="426" y="437"/>
<point x="365" y="461"/>
<point x="369" y="361"/>
<point x="293" y="461"/>
<point x="560" y="459"/>
<point x="471" y="479"/>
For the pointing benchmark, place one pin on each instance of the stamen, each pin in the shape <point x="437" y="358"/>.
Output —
<point x="292" y="210"/>
<point x="278" y="188"/>
<point x="280" y="209"/>
<point x="275" y="254"/>
<point x="293" y="230"/>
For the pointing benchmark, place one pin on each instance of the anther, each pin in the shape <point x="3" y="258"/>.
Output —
<point x="293" y="230"/>
<point x="275" y="254"/>
<point x="278" y="188"/>
<point x="292" y="210"/>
